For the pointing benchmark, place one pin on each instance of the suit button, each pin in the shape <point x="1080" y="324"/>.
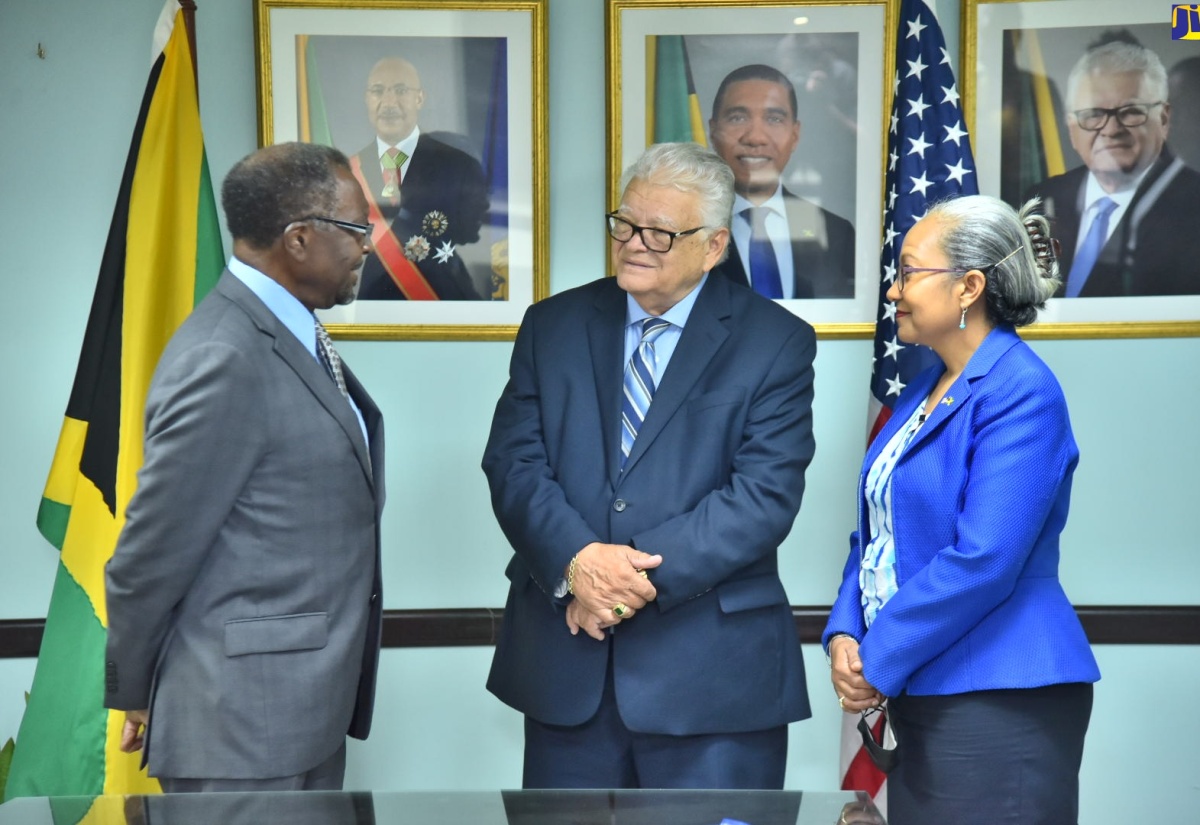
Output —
<point x="619" y="505"/>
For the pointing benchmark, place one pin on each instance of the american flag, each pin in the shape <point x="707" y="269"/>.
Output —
<point x="929" y="160"/>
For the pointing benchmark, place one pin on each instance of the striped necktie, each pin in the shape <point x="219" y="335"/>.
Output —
<point x="390" y="163"/>
<point x="330" y="358"/>
<point x="639" y="384"/>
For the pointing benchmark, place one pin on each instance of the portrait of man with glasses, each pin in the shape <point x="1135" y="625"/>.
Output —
<point x="1123" y="218"/>
<point x="428" y="198"/>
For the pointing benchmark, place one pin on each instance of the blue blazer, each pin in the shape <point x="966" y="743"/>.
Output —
<point x="981" y="495"/>
<point x="713" y="483"/>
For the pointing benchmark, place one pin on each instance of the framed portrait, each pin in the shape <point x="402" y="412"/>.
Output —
<point x="791" y="95"/>
<point x="1094" y="107"/>
<point x="441" y="109"/>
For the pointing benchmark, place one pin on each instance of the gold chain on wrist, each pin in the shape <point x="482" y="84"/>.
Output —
<point x="571" y="574"/>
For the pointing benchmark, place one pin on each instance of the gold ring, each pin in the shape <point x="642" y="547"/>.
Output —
<point x="620" y="609"/>
<point x="642" y="573"/>
<point x="841" y="699"/>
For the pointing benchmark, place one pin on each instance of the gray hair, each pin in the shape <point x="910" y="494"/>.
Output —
<point x="1119" y="57"/>
<point x="688" y="167"/>
<point x="1012" y="248"/>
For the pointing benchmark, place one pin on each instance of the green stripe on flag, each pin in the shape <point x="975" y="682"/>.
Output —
<point x="52" y="518"/>
<point x="210" y="259"/>
<point x="72" y="657"/>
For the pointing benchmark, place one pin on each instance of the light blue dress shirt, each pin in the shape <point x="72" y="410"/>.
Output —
<point x="664" y="345"/>
<point x="291" y="313"/>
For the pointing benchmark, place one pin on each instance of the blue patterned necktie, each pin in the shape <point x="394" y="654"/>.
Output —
<point x="764" y="267"/>
<point x="1089" y="250"/>
<point x="639" y="384"/>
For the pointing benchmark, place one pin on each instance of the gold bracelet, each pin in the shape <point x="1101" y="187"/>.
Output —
<point x="571" y="574"/>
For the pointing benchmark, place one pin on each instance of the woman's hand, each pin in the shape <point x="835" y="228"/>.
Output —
<point x="854" y="692"/>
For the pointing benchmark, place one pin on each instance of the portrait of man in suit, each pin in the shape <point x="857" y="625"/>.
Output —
<point x="646" y="459"/>
<point x="426" y="198"/>
<point x="1125" y="217"/>
<point x="782" y="245"/>
<point x="243" y="596"/>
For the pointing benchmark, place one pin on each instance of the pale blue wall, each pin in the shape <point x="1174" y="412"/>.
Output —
<point x="66" y="123"/>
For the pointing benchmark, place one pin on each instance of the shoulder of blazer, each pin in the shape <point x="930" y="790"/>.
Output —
<point x="999" y="341"/>
<point x="237" y="293"/>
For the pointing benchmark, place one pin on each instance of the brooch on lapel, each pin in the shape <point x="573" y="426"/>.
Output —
<point x="948" y="400"/>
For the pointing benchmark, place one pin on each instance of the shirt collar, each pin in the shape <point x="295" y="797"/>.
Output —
<point x="283" y="305"/>
<point x="775" y="202"/>
<point x="407" y="146"/>
<point x="1095" y="191"/>
<point x="677" y="315"/>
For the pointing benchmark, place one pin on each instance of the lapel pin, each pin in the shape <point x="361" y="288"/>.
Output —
<point x="948" y="400"/>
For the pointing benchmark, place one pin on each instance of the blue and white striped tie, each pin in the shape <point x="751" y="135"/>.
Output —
<point x="639" y="384"/>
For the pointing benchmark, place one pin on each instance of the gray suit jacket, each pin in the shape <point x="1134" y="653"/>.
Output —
<point x="244" y="593"/>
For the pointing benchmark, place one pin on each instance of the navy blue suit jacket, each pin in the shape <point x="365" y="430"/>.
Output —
<point x="1150" y="250"/>
<point x="713" y="483"/>
<point x="980" y="497"/>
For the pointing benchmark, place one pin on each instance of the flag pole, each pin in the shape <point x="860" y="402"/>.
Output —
<point x="189" y="23"/>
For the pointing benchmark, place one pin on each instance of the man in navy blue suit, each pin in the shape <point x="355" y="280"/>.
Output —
<point x="647" y="636"/>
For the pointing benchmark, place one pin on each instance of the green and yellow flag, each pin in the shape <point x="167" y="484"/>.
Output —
<point x="162" y="255"/>
<point x="672" y="107"/>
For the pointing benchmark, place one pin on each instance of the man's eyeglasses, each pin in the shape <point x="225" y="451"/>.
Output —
<point x="363" y="229"/>
<point x="655" y="239"/>
<point x="1135" y="114"/>
<point x="906" y="272"/>
<point x="399" y="90"/>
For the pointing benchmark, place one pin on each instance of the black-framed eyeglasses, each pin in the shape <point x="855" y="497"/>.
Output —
<point x="1135" y="114"/>
<point x="906" y="272"/>
<point x="364" y="229"/>
<point x="655" y="239"/>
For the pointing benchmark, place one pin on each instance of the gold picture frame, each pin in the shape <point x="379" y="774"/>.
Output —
<point x="441" y="272"/>
<point x="836" y="53"/>
<point x="1016" y="57"/>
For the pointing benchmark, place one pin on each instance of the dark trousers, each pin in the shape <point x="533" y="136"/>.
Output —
<point x="328" y="776"/>
<point x="603" y="753"/>
<point x="989" y="757"/>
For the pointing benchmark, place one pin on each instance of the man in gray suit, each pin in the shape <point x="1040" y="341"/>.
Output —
<point x="244" y="592"/>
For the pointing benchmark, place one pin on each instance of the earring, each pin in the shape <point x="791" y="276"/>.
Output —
<point x="962" y="322"/>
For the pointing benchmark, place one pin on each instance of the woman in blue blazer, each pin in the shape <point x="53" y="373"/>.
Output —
<point x="950" y="608"/>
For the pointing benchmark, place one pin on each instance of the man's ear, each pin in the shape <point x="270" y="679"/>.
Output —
<point x="295" y="240"/>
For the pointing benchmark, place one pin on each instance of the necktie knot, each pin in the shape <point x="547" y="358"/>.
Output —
<point x="393" y="158"/>
<point x="757" y="216"/>
<point x="652" y="328"/>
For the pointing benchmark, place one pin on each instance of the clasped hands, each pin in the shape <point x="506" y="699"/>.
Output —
<point x="854" y="692"/>
<point x="608" y="576"/>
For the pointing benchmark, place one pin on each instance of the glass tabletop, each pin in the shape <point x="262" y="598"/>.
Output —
<point x="453" y="808"/>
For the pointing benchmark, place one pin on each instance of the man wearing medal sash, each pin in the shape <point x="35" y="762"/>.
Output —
<point x="426" y="197"/>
